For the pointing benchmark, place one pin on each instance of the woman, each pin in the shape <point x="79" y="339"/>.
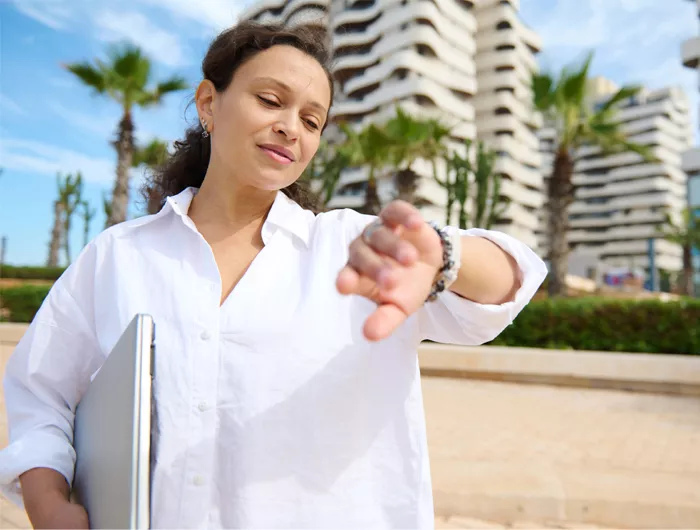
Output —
<point x="287" y="386"/>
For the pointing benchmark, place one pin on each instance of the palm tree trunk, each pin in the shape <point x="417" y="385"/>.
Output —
<point x="561" y="194"/>
<point x="688" y="286"/>
<point x="66" y="239"/>
<point x="372" y="205"/>
<point x="125" y="154"/>
<point x="56" y="235"/>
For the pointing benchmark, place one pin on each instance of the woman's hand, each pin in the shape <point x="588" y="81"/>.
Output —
<point x="393" y="263"/>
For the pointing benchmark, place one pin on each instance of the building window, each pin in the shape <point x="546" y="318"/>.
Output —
<point x="503" y="25"/>
<point x="694" y="190"/>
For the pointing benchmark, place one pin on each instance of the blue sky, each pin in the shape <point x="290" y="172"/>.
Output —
<point x="50" y="123"/>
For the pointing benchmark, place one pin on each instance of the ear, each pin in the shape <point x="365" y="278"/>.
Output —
<point x="205" y="97"/>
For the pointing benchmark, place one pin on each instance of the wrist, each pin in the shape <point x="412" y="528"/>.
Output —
<point x="448" y="269"/>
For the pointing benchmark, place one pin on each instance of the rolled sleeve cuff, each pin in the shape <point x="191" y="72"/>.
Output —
<point x="33" y="450"/>
<point x="457" y="320"/>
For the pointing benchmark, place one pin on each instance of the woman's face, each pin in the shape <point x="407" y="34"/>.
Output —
<point x="266" y="126"/>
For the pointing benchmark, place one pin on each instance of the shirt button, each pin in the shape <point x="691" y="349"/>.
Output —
<point x="198" y="480"/>
<point x="205" y="335"/>
<point x="202" y="406"/>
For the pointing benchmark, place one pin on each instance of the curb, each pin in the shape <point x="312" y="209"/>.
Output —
<point x="657" y="373"/>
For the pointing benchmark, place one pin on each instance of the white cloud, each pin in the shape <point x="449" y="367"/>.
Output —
<point x="159" y="44"/>
<point x="131" y="22"/>
<point x="213" y="14"/>
<point x="635" y="41"/>
<point x="52" y="13"/>
<point x="104" y="126"/>
<point x="7" y="104"/>
<point x="45" y="159"/>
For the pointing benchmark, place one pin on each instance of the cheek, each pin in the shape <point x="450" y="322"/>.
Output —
<point x="309" y="148"/>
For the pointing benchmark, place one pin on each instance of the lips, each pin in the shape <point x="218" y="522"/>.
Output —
<point x="282" y="152"/>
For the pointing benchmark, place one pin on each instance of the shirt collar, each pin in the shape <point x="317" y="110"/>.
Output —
<point x="285" y="214"/>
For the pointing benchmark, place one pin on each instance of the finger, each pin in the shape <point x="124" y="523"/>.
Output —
<point x="401" y="213"/>
<point x="350" y="282"/>
<point x="383" y="322"/>
<point x="368" y="263"/>
<point x="388" y="242"/>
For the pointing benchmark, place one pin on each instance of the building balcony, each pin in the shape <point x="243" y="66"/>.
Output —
<point x="690" y="52"/>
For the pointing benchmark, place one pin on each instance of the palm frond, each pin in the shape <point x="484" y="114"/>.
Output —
<point x="572" y="87"/>
<point x="173" y="84"/>
<point x="89" y="75"/>
<point x="621" y="95"/>
<point x="542" y="86"/>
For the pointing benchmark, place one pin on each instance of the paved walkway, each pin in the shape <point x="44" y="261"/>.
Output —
<point x="533" y="456"/>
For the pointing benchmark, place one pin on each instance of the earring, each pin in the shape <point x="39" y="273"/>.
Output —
<point x="205" y="132"/>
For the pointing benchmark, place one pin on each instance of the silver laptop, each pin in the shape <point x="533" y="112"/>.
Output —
<point x="113" y="433"/>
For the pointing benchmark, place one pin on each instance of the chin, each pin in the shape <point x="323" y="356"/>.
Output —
<point x="273" y="180"/>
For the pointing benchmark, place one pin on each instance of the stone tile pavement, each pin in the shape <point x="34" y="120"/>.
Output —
<point x="527" y="456"/>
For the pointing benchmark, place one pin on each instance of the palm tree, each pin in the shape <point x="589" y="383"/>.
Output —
<point x="412" y="139"/>
<point x="370" y="147"/>
<point x="687" y="235"/>
<point x="462" y="173"/>
<point x="69" y="195"/>
<point x="125" y="78"/>
<point x="566" y="104"/>
<point x="151" y="155"/>
<point x="88" y="215"/>
<point x="488" y="204"/>
<point x="325" y="169"/>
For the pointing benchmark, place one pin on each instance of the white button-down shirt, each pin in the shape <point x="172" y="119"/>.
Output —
<point x="273" y="410"/>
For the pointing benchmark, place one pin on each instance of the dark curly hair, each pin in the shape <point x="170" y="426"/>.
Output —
<point x="187" y="166"/>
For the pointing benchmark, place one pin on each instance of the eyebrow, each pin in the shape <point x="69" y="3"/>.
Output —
<point x="287" y="88"/>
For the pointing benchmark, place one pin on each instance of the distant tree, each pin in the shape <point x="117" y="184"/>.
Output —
<point x="369" y="147"/>
<point x="687" y="235"/>
<point x="70" y="196"/>
<point x="323" y="172"/>
<point x="566" y="103"/>
<point x="88" y="214"/>
<point x="463" y="176"/>
<point x="151" y="155"/>
<point x="411" y="139"/>
<point x="125" y="78"/>
<point x="69" y="188"/>
<point x="489" y="205"/>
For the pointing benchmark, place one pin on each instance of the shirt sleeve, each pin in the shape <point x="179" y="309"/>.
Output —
<point x="452" y="319"/>
<point x="46" y="376"/>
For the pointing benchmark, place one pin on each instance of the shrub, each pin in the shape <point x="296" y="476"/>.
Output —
<point x="32" y="273"/>
<point x="600" y="324"/>
<point x="644" y="326"/>
<point x="20" y="304"/>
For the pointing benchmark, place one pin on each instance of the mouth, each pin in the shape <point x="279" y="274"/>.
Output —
<point x="278" y="153"/>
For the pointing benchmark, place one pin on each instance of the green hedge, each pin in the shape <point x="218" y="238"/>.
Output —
<point x="22" y="302"/>
<point x="31" y="273"/>
<point x="647" y="326"/>
<point x="599" y="324"/>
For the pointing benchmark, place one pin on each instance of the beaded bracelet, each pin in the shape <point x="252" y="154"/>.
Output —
<point x="451" y="258"/>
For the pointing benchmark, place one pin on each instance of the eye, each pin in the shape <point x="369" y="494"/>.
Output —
<point x="312" y="124"/>
<point x="268" y="102"/>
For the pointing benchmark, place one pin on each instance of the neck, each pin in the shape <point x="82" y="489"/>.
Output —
<point x="222" y="205"/>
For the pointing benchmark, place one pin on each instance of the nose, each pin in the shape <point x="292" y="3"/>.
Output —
<point x="288" y="126"/>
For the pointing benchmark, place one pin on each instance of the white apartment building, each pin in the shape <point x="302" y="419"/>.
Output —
<point x="691" y="158"/>
<point x="466" y="63"/>
<point x="622" y="199"/>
